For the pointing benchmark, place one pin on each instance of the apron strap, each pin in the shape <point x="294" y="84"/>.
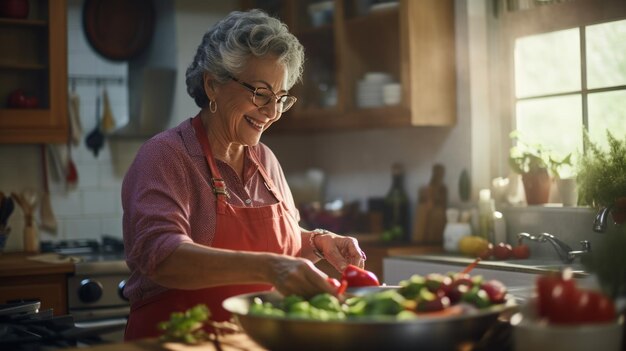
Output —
<point x="217" y="182"/>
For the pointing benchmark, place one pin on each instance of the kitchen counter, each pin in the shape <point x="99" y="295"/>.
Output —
<point x="22" y="264"/>
<point x="233" y="342"/>
<point x="22" y="278"/>
<point x="531" y="265"/>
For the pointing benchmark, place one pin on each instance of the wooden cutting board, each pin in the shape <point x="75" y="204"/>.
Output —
<point x="430" y="212"/>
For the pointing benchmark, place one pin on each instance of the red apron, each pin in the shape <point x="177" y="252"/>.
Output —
<point x="268" y="228"/>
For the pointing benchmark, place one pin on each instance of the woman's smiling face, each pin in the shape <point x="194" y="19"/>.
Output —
<point x="240" y="120"/>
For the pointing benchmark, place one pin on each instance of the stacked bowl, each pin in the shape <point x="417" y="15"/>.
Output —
<point x="377" y="89"/>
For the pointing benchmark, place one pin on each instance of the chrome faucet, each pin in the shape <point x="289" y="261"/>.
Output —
<point x="601" y="220"/>
<point x="565" y="252"/>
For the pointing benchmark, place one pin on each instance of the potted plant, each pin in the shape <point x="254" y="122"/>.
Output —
<point x="535" y="164"/>
<point x="601" y="177"/>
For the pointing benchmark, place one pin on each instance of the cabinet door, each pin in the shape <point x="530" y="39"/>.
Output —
<point x="34" y="59"/>
<point x="358" y="49"/>
<point x="51" y="290"/>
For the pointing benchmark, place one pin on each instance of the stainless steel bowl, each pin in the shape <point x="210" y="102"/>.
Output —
<point x="428" y="333"/>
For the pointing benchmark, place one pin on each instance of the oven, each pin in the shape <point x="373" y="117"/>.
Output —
<point x="95" y="291"/>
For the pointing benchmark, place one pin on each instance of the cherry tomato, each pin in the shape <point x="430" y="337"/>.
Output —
<point x="552" y="287"/>
<point x="502" y="251"/>
<point x="521" y="251"/>
<point x="438" y="283"/>
<point x="17" y="98"/>
<point x="356" y="276"/>
<point x="598" y="308"/>
<point x="495" y="290"/>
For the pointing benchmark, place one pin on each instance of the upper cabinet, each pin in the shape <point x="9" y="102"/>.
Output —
<point x="370" y="64"/>
<point x="33" y="60"/>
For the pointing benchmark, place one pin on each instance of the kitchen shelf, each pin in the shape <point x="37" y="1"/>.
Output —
<point x="23" y="22"/>
<point x="34" y="59"/>
<point x="413" y="42"/>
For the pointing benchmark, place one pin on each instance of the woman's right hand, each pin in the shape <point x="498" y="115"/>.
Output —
<point x="299" y="276"/>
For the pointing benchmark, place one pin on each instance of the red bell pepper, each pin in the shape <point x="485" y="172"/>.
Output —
<point x="356" y="277"/>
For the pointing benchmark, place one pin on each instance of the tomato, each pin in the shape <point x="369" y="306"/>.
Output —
<point x="553" y="286"/>
<point x="356" y="276"/>
<point x="521" y="251"/>
<point x="495" y="290"/>
<point x="561" y="302"/>
<point x="598" y="309"/>
<point x="19" y="99"/>
<point x="438" y="283"/>
<point x="502" y="251"/>
<point x="31" y="102"/>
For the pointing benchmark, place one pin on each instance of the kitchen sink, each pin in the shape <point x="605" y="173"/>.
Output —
<point x="546" y="264"/>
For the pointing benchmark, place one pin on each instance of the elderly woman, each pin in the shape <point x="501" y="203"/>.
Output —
<point x="207" y="211"/>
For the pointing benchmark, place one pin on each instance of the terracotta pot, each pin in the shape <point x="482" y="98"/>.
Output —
<point x="619" y="210"/>
<point x="537" y="187"/>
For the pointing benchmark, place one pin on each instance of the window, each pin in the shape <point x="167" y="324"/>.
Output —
<point x="570" y="79"/>
<point x="559" y="69"/>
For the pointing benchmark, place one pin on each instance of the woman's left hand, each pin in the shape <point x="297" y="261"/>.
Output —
<point x="340" y="251"/>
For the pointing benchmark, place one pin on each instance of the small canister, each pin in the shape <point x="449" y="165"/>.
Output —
<point x="454" y="231"/>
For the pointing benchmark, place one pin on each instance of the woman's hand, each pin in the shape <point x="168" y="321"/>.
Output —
<point x="340" y="251"/>
<point x="292" y="275"/>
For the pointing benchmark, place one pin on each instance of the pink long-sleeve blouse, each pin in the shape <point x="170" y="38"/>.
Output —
<point x="167" y="200"/>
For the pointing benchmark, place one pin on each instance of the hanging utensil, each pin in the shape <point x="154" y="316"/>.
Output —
<point x="71" y="173"/>
<point x="108" y="121"/>
<point x="48" y="221"/>
<point x="95" y="139"/>
<point x="76" y="129"/>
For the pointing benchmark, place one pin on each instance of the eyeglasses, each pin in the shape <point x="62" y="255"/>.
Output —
<point x="262" y="96"/>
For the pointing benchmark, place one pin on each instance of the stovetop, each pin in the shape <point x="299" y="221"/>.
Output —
<point x="109" y="248"/>
<point x="24" y="327"/>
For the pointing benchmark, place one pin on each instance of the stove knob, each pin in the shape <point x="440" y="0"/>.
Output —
<point x="120" y="290"/>
<point x="89" y="291"/>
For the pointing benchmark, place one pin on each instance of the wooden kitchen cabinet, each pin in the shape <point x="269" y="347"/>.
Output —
<point x="34" y="58"/>
<point x="25" y="279"/>
<point x="413" y="42"/>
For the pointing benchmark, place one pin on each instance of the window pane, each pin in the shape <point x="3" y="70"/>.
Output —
<point x="554" y="122"/>
<point x="547" y="63"/>
<point x="606" y="54"/>
<point x="607" y="110"/>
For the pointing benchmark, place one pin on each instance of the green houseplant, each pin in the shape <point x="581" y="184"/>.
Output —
<point x="536" y="164"/>
<point x="601" y="175"/>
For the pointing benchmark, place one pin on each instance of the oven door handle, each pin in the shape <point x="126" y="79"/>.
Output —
<point x="95" y="328"/>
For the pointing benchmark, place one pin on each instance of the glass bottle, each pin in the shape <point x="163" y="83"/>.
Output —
<point x="396" y="207"/>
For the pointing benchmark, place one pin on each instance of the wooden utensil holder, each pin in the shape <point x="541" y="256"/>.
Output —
<point x="31" y="237"/>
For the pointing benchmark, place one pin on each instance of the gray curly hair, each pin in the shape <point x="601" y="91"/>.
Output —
<point x="226" y="47"/>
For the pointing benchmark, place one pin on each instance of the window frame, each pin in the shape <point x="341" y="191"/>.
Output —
<point x="511" y="25"/>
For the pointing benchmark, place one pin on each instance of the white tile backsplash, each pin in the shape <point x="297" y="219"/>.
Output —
<point x="93" y="207"/>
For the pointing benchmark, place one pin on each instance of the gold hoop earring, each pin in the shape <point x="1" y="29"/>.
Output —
<point x="212" y="106"/>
